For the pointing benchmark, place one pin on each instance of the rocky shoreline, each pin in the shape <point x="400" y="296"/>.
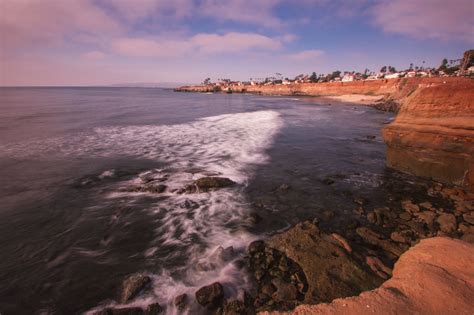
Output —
<point x="308" y="264"/>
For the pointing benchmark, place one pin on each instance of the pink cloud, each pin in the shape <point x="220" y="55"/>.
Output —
<point x="199" y="44"/>
<point x="140" y="47"/>
<point x="307" y="54"/>
<point x="234" y="42"/>
<point x="437" y="19"/>
<point x="94" y="55"/>
<point x="26" y="23"/>
<point x="253" y="12"/>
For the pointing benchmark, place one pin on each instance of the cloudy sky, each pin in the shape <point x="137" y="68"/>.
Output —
<point x="94" y="42"/>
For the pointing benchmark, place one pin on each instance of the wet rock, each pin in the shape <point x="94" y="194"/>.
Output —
<point x="121" y="311"/>
<point x="469" y="217"/>
<point x="210" y="296"/>
<point x="154" y="309"/>
<point x="372" y="217"/>
<point x="376" y="239"/>
<point x="155" y="189"/>
<point x="427" y="216"/>
<point x="327" y="215"/>
<point x="402" y="236"/>
<point x="328" y="270"/>
<point x="466" y="228"/>
<point x="344" y="243"/>
<point x="384" y="216"/>
<point x="361" y="201"/>
<point x="268" y="289"/>
<point x="405" y="216"/>
<point x="427" y="205"/>
<point x="132" y="286"/>
<point x="206" y="184"/>
<point x="256" y="246"/>
<point x="409" y="206"/>
<point x="378" y="267"/>
<point x="181" y="302"/>
<point x="235" y="307"/>
<point x="284" y="291"/>
<point x="447" y="222"/>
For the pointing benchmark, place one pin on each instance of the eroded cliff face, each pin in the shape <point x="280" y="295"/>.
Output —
<point x="433" y="134"/>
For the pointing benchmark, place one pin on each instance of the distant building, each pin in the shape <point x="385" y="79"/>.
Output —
<point x="392" y="75"/>
<point x="348" y="77"/>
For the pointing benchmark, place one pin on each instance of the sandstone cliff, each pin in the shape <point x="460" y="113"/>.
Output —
<point x="433" y="134"/>
<point x="433" y="277"/>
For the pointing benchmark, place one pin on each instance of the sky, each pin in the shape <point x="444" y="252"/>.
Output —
<point x="103" y="42"/>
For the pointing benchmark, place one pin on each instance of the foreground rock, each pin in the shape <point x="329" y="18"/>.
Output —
<point x="432" y="136"/>
<point x="132" y="286"/>
<point x="210" y="296"/>
<point x="329" y="267"/>
<point x="433" y="277"/>
<point x="206" y="184"/>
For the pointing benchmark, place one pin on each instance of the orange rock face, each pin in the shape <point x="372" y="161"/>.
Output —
<point x="433" y="134"/>
<point x="433" y="277"/>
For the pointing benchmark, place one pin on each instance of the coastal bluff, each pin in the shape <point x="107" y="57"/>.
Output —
<point x="433" y="277"/>
<point x="433" y="133"/>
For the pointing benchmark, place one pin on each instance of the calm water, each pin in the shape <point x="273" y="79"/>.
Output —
<point x="69" y="232"/>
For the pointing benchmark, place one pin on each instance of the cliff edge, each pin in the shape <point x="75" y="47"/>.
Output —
<point x="433" y="133"/>
<point x="433" y="277"/>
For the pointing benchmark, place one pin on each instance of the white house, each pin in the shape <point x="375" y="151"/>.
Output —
<point x="348" y="77"/>
<point x="392" y="75"/>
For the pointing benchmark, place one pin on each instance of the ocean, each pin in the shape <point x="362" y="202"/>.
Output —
<point x="72" y="226"/>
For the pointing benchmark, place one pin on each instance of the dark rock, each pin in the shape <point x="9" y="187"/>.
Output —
<point x="361" y="201"/>
<point x="376" y="239"/>
<point x="284" y="291"/>
<point x="372" y="217"/>
<point x="132" y="286"/>
<point x="405" y="216"/>
<point x="154" y="309"/>
<point x="181" y="302"/>
<point x="121" y="311"/>
<point x="205" y="184"/>
<point x="284" y="187"/>
<point x="327" y="215"/>
<point x="469" y="217"/>
<point x="378" y="267"/>
<point x="211" y="295"/>
<point x="427" y="216"/>
<point x="235" y="307"/>
<point x="268" y="289"/>
<point x="447" y="222"/>
<point x="327" y="271"/>
<point x="410" y="207"/>
<point x="401" y="237"/>
<point x="256" y="246"/>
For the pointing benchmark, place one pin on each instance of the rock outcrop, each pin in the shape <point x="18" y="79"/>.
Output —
<point x="433" y="134"/>
<point x="433" y="277"/>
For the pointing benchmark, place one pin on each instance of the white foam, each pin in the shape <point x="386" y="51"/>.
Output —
<point x="229" y="145"/>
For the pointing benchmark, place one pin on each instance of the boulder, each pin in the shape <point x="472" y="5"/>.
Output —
<point x="410" y="207"/>
<point x="210" y="296"/>
<point x="181" y="302"/>
<point x="206" y="184"/>
<point x="447" y="222"/>
<point x="329" y="270"/>
<point x="469" y="217"/>
<point x="154" y="309"/>
<point x="132" y="286"/>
